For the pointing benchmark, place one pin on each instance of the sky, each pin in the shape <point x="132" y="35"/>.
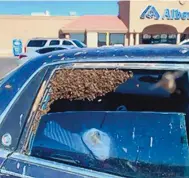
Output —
<point x="59" y="7"/>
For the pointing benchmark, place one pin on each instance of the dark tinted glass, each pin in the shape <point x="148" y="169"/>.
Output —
<point x="45" y="50"/>
<point x="59" y="48"/>
<point x="78" y="36"/>
<point x="158" y="38"/>
<point x="54" y="42"/>
<point x="37" y="43"/>
<point x="65" y="42"/>
<point x="187" y="43"/>
<point x="117" y="38"/>
<point x="79" y="44"/>
<point x="101" y="39"/>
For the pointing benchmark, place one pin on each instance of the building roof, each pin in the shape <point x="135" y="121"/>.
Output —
<point x="97" y="23"/>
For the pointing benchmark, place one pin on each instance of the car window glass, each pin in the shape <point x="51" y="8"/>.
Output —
<point x="59" y="48"/>
<point x="37" y="43"/>
<point x="78" y="44"/>
<point x="66" y="42"/>
<point x="104" y="132"/>
<point x="54" y="42"/>
<point x="45" y="50"/>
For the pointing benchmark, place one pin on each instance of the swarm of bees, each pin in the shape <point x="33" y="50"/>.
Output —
<point x="77" y="84"/>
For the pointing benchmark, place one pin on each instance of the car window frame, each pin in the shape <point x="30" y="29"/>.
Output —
<point x="19" y="130"/>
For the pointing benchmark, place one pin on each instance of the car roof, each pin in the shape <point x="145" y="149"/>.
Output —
<point x="140" y="53"/>
<point x="142" y="57"/>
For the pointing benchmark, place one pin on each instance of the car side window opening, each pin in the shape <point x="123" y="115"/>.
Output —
<point x="66" y="42"/>
<point x="46" y="50"/>
<point x="100" y="123"/>
<point x="37" y="43"/>
<point x="54" y="42"/>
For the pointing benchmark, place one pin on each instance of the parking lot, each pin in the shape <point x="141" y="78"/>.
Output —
<point x="6" y="65"/>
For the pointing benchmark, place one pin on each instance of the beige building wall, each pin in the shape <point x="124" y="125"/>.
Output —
<point x="26" y="27"/>
<point x="92" y="39"/>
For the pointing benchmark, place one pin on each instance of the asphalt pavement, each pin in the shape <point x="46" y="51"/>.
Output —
<point x="6" y="65"/>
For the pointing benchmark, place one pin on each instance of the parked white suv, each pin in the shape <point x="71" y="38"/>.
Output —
<point x="37" y="43"/>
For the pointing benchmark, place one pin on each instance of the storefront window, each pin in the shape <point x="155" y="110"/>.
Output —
<point x="117" y="39"/>
<point x="101" y="39"/>
<point x="184" y="37"/>
<point x="159" y="38"/>
<point x="78" y="36"/>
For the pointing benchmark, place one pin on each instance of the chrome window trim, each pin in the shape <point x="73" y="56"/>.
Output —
<point x="62" y="166"/>
<point x="102" y="64"/>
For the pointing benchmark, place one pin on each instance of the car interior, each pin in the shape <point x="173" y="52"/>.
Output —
<point x="145" y="125"/>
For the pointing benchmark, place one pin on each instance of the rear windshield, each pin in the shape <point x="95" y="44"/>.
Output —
<point x="126" y="123"/>
<point x="37" y="43"/>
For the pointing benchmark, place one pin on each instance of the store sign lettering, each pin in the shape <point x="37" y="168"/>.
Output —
<point x="169" y="14"/>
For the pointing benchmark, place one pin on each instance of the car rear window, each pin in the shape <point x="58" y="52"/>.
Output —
<point x="110" y="121"/>
<point x="37" y="43"/>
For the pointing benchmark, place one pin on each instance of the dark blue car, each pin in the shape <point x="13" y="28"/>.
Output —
<point x="97" y="113"/>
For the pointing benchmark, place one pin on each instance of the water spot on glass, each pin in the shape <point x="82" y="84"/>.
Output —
<point x="6" y="139"/>
<point x="133" y="135"/>
<point x="61" y="54"/>
<point x="20" y="122"/>
<point x="125" y="149"/>
<point x="8" y="86"/>
<point x="151" y="142"/>
<point x="184" y="50"/>
<point x="18" y="165"/>
<point x="78" y="53"/>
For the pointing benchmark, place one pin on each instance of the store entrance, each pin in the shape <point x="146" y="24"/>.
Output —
<point x="158" y="38"/>
<point x="159" y="33"/>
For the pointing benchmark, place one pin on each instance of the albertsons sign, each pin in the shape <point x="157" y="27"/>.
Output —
<point x="169" y="14"/>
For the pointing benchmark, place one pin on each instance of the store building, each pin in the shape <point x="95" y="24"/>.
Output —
<point x="138" y="22"/>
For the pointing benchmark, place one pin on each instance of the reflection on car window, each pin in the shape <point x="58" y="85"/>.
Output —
<point x="54" y="42"/>
<point x="79" y="44"/>
<point x="66" y="42"/>
<point x="45" y="50"/>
